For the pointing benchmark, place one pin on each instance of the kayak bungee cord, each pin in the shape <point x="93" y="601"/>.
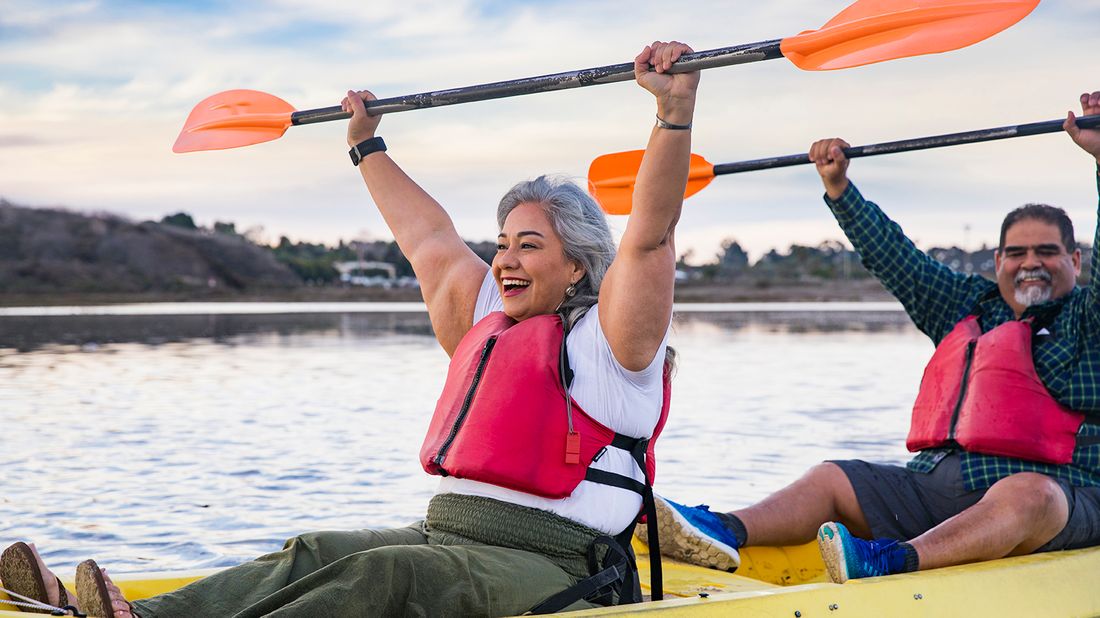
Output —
<point x="30" y="603"/>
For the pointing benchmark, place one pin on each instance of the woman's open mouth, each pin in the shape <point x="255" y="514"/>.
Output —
<point x="513" y="286"/>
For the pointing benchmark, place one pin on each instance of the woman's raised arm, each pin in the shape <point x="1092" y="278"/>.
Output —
<point x="450" y="274"/>
<point x="636" y="296"/>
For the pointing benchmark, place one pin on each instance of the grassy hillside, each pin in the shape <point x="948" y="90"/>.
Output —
<point x="53" y="251"/>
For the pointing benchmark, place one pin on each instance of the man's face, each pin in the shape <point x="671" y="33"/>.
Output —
<point x="1034" y="266"/>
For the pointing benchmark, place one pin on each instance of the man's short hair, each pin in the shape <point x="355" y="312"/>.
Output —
<point x="1043" y="212"/>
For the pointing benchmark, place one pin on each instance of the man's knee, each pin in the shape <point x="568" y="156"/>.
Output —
<point x="1034" y="494"/>
<point x="831" y="479"/>
<point x="828" y="474"/>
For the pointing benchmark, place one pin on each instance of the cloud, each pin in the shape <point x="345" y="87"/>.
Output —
<point x="102" y="89"/>
<point x="19" y="141"/>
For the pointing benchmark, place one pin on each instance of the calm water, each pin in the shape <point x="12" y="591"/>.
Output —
<point x="205" y="438"/>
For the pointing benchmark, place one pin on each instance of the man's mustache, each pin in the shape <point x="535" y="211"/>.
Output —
<point x="1040" y="273"/>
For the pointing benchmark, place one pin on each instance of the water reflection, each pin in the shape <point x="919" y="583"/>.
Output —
<point x="25" y="333"/>
<point x="24" y="330"/>
<point x="163" y="442"/>
<point x="801" y="321"/>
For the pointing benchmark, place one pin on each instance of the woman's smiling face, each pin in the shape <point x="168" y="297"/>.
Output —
<point x="530" y="266"/>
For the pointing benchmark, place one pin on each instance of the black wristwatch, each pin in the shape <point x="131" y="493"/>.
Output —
<point x="364" y="148"/>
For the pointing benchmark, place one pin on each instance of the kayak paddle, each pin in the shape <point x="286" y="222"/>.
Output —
<point x="611" y="177"/>
<point x="868" y="31"/>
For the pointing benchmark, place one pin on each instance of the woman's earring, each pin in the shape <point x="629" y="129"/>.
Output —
<point x="571" y="291"/>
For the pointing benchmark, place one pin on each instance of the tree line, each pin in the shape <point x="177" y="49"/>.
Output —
<point x="54" y="250"/>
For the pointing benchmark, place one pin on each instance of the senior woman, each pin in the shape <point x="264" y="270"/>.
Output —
<point x="558" y="379"/>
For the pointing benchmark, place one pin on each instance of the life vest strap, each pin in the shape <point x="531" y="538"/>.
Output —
<point x="637" y="448"/>
<point x="603" y="477"/>
<point x="617" y="573"/>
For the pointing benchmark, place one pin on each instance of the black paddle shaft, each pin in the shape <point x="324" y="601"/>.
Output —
<point x="920" y="143"/>
<point x="724" y="56"/>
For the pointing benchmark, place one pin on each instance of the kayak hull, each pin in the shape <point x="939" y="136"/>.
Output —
<point x="789" y="582"/>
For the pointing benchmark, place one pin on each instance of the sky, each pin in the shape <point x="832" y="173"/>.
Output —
<point x="93" y="94"/>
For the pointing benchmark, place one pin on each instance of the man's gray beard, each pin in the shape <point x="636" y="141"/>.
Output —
<point x="1033" y="295"/>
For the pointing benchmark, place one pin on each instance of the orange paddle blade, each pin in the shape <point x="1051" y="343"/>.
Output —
<point x="234" y="118"/>
<point x="611" y="179"/>
<point x="876" y="30"/>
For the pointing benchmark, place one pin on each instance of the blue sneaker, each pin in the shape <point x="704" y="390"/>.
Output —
<point x="848" y="557"/>
<point x="695" y="535"/>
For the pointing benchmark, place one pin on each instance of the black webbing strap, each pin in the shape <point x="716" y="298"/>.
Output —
<point x="628" y="444"/>
<point x="615" y="574"/>
<point x="604" y="477"/>
<point x="637" y="448"/>
<point x="656" y="574"/>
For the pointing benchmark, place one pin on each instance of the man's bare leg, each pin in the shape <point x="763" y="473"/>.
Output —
<point x="789" y="516"/>
<point x="792" y="515"/>
<point x="1019" y="514"/>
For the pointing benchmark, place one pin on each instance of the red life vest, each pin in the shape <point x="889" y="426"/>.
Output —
<point x="982" y="393"/>
<point x="503" y="417"/>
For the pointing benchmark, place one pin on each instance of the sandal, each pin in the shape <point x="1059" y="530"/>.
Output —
<point x="20" y="573"/>
<point x="93" y="591"/>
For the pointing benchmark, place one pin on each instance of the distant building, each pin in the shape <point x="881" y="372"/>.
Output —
<point x="370" y="274"/>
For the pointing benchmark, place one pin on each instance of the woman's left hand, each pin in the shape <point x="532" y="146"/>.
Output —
<point x="362" y="125"/>
<point x="675" y="92"/>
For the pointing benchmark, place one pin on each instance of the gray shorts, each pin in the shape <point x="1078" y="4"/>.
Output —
<point x="901" y="504"/>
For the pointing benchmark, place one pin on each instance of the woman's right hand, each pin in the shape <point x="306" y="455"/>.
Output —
<point x="675" y="92"/>
<point x="362" y="125"/>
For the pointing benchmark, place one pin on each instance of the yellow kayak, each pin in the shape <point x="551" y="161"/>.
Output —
<point x="790" y="582"/>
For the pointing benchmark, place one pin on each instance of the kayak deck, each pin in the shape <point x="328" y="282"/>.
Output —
<point x="1049" y="584"/>
<point x="789" y="582"/>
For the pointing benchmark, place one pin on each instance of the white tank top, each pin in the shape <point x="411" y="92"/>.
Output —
<point x="628" y="402"/>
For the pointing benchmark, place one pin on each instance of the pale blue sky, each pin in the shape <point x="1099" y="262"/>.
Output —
<point x="92" y="95"/>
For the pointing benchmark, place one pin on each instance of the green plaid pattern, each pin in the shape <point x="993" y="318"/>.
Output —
<point x="936" y="298"/>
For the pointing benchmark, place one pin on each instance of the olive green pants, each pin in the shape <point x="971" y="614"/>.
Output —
<point x="433" y="568"/>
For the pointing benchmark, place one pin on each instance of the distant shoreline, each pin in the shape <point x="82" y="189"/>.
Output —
<point x="747" y="290"/>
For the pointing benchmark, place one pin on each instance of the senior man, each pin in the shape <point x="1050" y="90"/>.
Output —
<point x="1006" y="425"/>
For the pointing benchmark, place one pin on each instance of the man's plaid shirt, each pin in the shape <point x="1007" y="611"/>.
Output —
<point x="936" y="298"/>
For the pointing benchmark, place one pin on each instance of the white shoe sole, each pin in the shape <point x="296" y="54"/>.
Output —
<point x="682" y="541"/>
<point x="831" y="545"/>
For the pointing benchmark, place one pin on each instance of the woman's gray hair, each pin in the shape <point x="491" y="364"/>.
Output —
<point x="579" y="222"/>
<point x="585" y="236"/>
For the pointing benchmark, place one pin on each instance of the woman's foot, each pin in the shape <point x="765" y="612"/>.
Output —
<point x="98" y="595"/>
<point x="23" y="572"/>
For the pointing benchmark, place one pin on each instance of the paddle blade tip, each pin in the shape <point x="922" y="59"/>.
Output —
<point x="871" y="31"/>
<point x="222" y="139"/>
<point x="611" y="179"/>
<point x="232" y="119"/>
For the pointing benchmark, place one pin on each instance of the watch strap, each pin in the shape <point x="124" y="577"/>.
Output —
<point x="365" y="147"/>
